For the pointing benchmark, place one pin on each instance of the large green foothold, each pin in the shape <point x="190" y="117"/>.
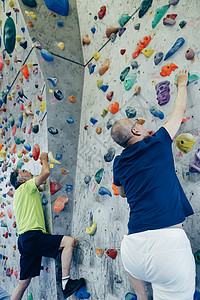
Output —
<point x="145" y="5"/>
<point x="29" y="3"/>
<point x="191" y="77"/>
<point x="131" y="112"/>
<point x="123" y="19"/>
<point x="18" y="140"/>
<point x="129" y="81"/>
<point x="98" y="176"/>
<point x="9" y="35"/>
<point x="160" y="12"/>
<point x="124" y="73"/>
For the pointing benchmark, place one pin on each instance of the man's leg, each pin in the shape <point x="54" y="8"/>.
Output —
<point x="67" y="244"/>
<point x="139" y="287"/>
<point x="20" y="289"/>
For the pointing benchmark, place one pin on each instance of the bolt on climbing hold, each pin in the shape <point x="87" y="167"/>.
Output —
<point x="9" y="35"/>
<point x="124" y="18"/>
<point x="185" y="142"/>
<point x="104" y="191"/>
<point x="82" y="293"/>
<point x="55" y="187"/>
<point x="99" y="82"/>
<point x="158" y="57"/>
<point x="102" y="12"/>
<point x="170" y="19"/>
<point x="130" y="112"/>
<point x="104" y="67"/>
<point x="194" y="167"/>
<point x="72" y="99"/>
<point x="121" y="31"/>
<point x="52" y="159"/>
<point x="189" y="55"/>
<point x="61" y="46"/>
<point x="130" y="296"/>
<point x="104" y="87"/>
<point x="137" y="90"/>
<point x="60" y="203"/>
<point x="46" y="55"/>
<point x="110" y="30"/>
<point x="97" y="55"/>
<point x="112" y="253"/>
<point x="99" y="252"/>
<point x="98" y="176"/>
<point x="159" y="13"/>
<point x="129" y="81"/>
<point x="108" y="157"/>
<point x="92" y="229"/>
<point x="145" y="5"/>
<point x="86" y="40"/>
<point x="156" y="112"/>
<point x="124" y="73"/>
<point x="166" y="70"/>
<point x="104" y="112"/>
<point x="163" y="92"/>
<point x="141" y="45"/>
<point x="87" y="179"/>
<point x="98" y="130"/>
<point x="29" y="3"/>
<point x="53" y="130"/>
<point x="114" y="107"/>
<point x="148" y="52"/>
<point x="177" y="45"/>
<point x="109" y="96"/>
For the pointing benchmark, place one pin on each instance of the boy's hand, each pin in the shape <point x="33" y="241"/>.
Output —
<point x="182" y="78"/>
<point x="44" y="156"/>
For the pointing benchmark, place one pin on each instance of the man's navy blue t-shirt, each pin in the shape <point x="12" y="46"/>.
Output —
<point x="146" y="172"/>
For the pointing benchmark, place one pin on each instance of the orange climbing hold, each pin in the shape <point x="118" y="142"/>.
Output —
<point x="25" y="72"/>
<point x="98" y="130"/>
<point x="86" y="40"/>
<point x="60" y="203"/>
<point x="166" y="70"/>
<point x="141" y="121"/>
<point x="14" y="130"/>
<point x="114" y="107"/>
<point x="1" y="146"/>
<point x="30" y="24"/>
<point x="13" y="148"/>
<point x="64" y="171"/>
<point x="110" y="30"/>
<point x="111" y="253"/>
<point x="104" y="67"/>
<point x="141" y="45"/>
<point x="72" y="99"/>
<point x="36" y="152"/>
<point x="115" y="189"/>
<point x="99" y="252"/>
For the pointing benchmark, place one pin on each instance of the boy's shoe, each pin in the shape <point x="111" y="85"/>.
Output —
<point x="72" y="286"/>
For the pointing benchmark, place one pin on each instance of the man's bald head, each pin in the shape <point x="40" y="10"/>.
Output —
<point x="121" y="131"/>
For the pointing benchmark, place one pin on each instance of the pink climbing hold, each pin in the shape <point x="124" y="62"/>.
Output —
<point x="9" y="212"/>
<point x="1" y="63"/>
<point x="14" y="130"/>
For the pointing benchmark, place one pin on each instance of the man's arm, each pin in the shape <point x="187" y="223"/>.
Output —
<point x="121" y="191"/>
<point x="45" y="170"/>
<point x="172" y="126"/>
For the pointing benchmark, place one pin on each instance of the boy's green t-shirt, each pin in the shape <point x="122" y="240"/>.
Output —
<point x="28" y="208"/>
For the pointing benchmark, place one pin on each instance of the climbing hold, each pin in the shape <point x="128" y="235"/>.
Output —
<point x="102" y="12"/>
<point x="104" y="87"/>
<point x="9" y="35"/>
<point x="11" y="120"/>
<point x="148" y="52"/>
<point x="86" y="40"/>
<point x="99" y="252"/>
<point x="30" y="24"/>
<point x="197" y="256"/>
<point x="58" y="95"/>
<point x="158" y="57"/>
<point x="1" y="63"/>
<point x="104" y="191"/>
<point x="53" y="160"/>
<point x="28" y="109"/>
<point x="113" y="37"/>
<point x="194" y="167"/>
<point x="170" y="19"/>
<point x="182" y="24"/>
<point x="54" y="187"/>
<point x="130" y="112"/>
<point x="87" y="179"/>
<point x="191" y="77"/>
<point x="29" y="3"/>
<point x="68" y="187"/>
<point x="129" y="81"/>
<point x="114" y="107"/>
<point x="137" y="26"/>
<point x="179" y="43"/>
<point x="166" y="70"/>
<point x="58" y="156"/>
<point x="18" y="38"/>
<point x="35" y="152"/>
<point x="33" y="15"/>
<point x="163" y="92"/>
<point x="124" y="18"/>
<point x="115" y="189"/>
<point x="11" y="3"/>
<point x="60" y="23"/>
<point x="9" y="212"/>
<point x="98" y="130"/>
<point x="123" y="51"/>
<point x="104" y="67"/>
<point x="159" y="13"/>
<point x="185" y="142"/>
<point x="121" y="31"/>
<point x="91" y="68"/>
<point x="111" y="253"/>
<point x="189" y="54"/>
<point x="60" y="203"/>
<point x="145" y="5"/>
<point x="97" y="55"/>
<point x="70" y="120"/>
<point x="93" y="121"/>
<point x="91" y="230"/>
<point x="110" y="30"/>
<point x="104" y="112"/>
<point x="53" y="130"/>
<point x="53" y="81"/>
<point x="173" y="2"/>
<point x="141" y="45"/>
<point x="14" y="130"/>
<point x="99" y="82"/>
<point x="23" y="44"/>
<point x="93" y="29"/>
<point x="72" y="99"/>
<point x="35" y="128"/>
<point x="13" y="149"/>
<point x="25" y="72"/>
<point x="124" y="73"/>
<point x="61" y="46"/>
<point x="134" y="65"/>
<point x="60" y="7"/>
<point x="137" y="90"/>
<point x="109" y="96"/>
<point x="196" y="295"/>
<point x="82" y="293"/>
<point x="130" y="296"/>
<point x="46" y="55"/>
<point x="98" y="176"/>
<point x="156" y="112"/>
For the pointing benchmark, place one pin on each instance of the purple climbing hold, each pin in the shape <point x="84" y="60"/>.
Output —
<point x="173" y="2"/>
<point x="194" y="167"/>
<point x="177" y="45"/>
<point x="60" y="7"/>
<point x="163" y="92"/>
<point x="121" y="31"/>
<point x="189" y="54"/>
<point x="156" y="112"/>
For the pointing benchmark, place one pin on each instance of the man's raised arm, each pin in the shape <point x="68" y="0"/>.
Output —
<point x="45" y="170"/>
<point x="172" y="126"/>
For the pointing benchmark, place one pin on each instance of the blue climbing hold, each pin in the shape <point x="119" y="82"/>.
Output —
<point x="91" y="68"/>
<point x="44" y="200"/>
<point x="23" y="29"/>
<point x="130" y="296"/>
<point x="38" y="112"/>
<point x="104" y="87"/>
<point x="20" y="120"/>
<point x="47" y="55"/>
<point x="53" y="81"/>
<point x="27" y="146"/>
<point x="179" y="43"/>
<point x="156" y="112"/>
<point x="69" y="187"/>
<point x="93" y="29"/>
<point x="104" y="191"/>
<point x="197" y="295"/>
<point x="82" y="293"/>
<point x="70" y="120"/>
<point x="60" y="7"/>
<point x="93" y="120"/>
<point x="60" y="23"/>
<point x="58" y="156"/>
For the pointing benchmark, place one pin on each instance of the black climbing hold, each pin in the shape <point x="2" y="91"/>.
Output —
<point x="182" y="24"/>
<point x="23" y="44"/>
<point x="87" y="179"/>
<point x="53" y="130"/>
<point x="108" y="157"/>
<point x="95" y="18"/>
<point x="29" y="3"/>
<point x="109" y="124"/>
<point x="134" y="65"/>
<point x="8" y="14"/>
<point x="35" y="128"/>
<point x="58" y="95"/>
<point x="137" y="26"/>
<point x="158" y="58"/>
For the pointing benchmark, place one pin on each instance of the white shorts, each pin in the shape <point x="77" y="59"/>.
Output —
<point x="164" y="258"/>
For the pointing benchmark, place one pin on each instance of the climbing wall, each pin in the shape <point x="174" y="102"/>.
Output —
<point x="94" y="199"/>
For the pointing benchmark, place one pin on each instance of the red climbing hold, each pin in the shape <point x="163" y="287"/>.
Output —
<point x="6" y="235"/>
<point x="1" y="63"/>
<point x="14" y="224"/>
<point x="102" y="12"/>
<point x="22" y="107"/>
<point x="9" y="212"/>
<point x="166" y="70"/>
<point x="111" y="253"/>
<point x="55" y="187"/>
<point x="141" y="45"/>
<point x="36" y="152"/>
<point x="123" y="51"/>
<point x="109" y="96"/>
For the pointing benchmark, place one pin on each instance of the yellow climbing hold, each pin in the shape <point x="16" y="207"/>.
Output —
<point x="99" y="82"/>
<point x="18" y="38"/>
<point x="3" y="153"/>
<point x="52" y="159"/>
<point x="99" y="252"/>
<point x="11" y="3"/>
<point x="97" y="55"/>
<point x="91" y="230"/>
<point x="148" y="52"/>
<point x="33" y="15"/>
<point x="19" y="154"/>
<point x="42" y="106"/>
<point x="185" y="142"/>
<point x="104" y="112"/>
<point x="25" y="116"/>
<point x="0" y="22"/>
<point x="61" y="46"/>
<point x="30" y="65"/>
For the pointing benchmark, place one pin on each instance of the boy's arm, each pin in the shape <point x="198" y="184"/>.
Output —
<point x="45" y="170"/>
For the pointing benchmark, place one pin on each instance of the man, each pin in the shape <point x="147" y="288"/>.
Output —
<point x="33" y="241"/>
<point x="156" y="248"/>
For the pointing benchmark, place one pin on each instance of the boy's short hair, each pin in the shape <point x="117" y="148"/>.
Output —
<point x="14" y="179"/>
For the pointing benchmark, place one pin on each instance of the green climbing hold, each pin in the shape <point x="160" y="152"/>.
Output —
<point x="124" y="73"/>
<point x="9" y="35"/>
<point x="11" y="120"/>
<point x="131" y="112"/>
<point x="160" y="12"/>
<point x="191" y="77"/>
<point x="123" y="19"/>
<point x="98" y="176"/>
<point x="129" y="81"/>
<point x="18" y="140"/>
<point x="30" y="296"/>
<point x="145" y="5"/>
<point x="20" y="163"/>
<point x="197" y="257"/>
<point x="4" y="96"/>
<point x="29" y="3"/>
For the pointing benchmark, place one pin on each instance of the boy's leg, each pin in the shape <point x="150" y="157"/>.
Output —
<point x="139" y="287"/>
<point x="20" y="289"/>
<point x="67" y="244"/>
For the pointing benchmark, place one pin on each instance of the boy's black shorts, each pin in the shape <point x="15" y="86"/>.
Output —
<point x="32" y="246"/>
